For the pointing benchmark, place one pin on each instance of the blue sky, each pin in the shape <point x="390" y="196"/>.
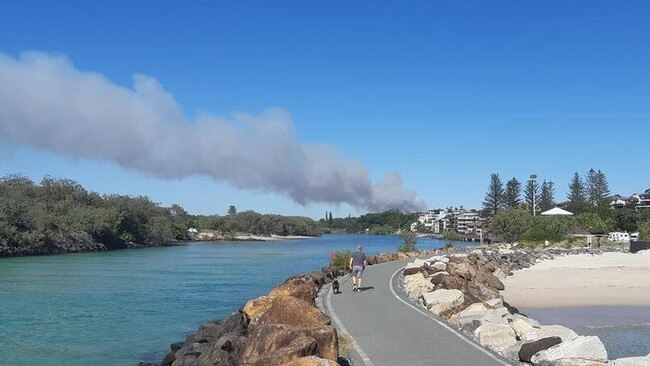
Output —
<point x="443" y="92"/>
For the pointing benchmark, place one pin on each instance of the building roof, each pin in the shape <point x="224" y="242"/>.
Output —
<point x="557" y="211"/>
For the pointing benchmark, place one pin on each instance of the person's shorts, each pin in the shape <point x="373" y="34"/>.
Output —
<point x="357" y="271"/>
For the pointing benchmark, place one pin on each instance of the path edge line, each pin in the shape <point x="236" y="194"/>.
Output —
<point x="446" y="326"/>
<point x="328" y="303"/>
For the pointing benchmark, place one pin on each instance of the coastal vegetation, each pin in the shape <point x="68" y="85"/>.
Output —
<point x="251" y="222"/>
<point x="512" y="219"/>
<point x="60" y="216"/>
<point x="388" y="222"/>
<point x="342" y="260"/>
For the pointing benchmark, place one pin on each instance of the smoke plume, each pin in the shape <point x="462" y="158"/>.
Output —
<point x="46" y="103"/>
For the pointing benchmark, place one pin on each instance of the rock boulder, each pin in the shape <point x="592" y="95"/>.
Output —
<point x="527" y="350"/>
<point x="300" y="288"/>
<point x="496" y="337"/>
<point x="583" y="347"/>
<point x="271" y="338"/>
<point x="290" y="311"/>
<point x="442" y="300"/>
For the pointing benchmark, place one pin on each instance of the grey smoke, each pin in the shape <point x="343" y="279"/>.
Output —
<point x="46" y="103"/>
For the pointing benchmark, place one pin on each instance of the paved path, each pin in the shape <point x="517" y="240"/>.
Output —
<point x="389" y="331"/>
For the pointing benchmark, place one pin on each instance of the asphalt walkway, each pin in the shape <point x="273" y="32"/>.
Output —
<point x="388" y="330"/>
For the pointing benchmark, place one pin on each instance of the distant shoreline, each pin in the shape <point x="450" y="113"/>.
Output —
<point x="251" y="237"/>
<point x="13" y="252"/>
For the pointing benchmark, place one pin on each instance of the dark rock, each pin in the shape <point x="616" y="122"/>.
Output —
<point x="412" y="270"/>
<point x="529" y="349"/>
<point x="452" y="283"/>
<point x="463" y="270"/>
<point x="429" y="270"/>
<point x="318" y="277"/>
<point x="489" y="279"/>
<point x="511" y="309"/>
<point x="171" y="355"/>
<point x="437" y="278"/>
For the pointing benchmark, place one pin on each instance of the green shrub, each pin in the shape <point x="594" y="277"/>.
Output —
<point x="551" y="228"/>
<point x="381" y="230"/>
<point x="510" y="225"/>
<point x="409" y="239"/>
<point x="592" y="223"/>
<point x="342" y="260"/>
<point x="644" y="230"/>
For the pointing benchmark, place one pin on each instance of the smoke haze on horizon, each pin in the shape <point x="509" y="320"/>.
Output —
<point x="46" y="103"/>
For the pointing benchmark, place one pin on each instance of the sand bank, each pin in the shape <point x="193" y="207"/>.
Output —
<point x="582" y="280"/>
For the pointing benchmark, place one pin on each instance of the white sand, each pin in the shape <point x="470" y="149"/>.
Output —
<point x="582" y="280"/>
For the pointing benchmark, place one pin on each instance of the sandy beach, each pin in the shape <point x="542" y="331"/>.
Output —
<point x="582" y="280"/>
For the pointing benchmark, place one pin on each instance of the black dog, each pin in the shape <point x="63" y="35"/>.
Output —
<point x="335" y="287"/>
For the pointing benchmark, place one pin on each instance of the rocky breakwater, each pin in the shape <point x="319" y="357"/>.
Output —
<point x="463" y="289"/>
<point x="284" y="327"/>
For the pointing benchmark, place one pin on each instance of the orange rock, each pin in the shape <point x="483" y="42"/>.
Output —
<point x="298" y="288"/>
<point x="254" y="308"/>
<point x="279" y="354"/>
<point x="271" y="338"/>
<point x="288" y="310"/>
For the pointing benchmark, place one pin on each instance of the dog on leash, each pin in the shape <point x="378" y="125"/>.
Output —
<point x="336" y="287"/>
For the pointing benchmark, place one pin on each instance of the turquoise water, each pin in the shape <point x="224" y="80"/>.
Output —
<point x="121" y="307"/>
<point x="624" y="330"/>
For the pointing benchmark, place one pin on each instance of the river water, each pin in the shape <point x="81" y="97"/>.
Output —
<point x="121" y="307"/>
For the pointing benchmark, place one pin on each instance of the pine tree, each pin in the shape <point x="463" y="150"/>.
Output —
<point x="494" y="197"/>
<point x="577" y="197"/>
<point x="531" y="195"/>
<point x="547" y="196"/>
<point x="590" y="187"/>
<point x="601" y="190"/>
<point x="513" y="192"/>
<point x="330" y="219"/>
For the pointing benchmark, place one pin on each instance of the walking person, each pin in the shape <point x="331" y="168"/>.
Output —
<point x="357" y="266"/>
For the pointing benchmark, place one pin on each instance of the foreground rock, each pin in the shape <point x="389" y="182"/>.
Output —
<point x="528" y="350"/>
<point x="496" y="337"/>
<point x="463" y="289"/>
<point x="278" y="344"/>
<point x="283" y="328"/>
<point x="442" y="300"/>
<point x="582" y="348"/>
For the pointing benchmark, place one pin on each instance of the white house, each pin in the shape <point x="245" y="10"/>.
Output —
<point x="465" y="222"/>
<point x="642" y="200"/>
<point x="618" y="201"/>
<point x="556" y="211"/>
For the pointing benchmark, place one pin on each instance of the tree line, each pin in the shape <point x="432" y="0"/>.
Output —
<point x="510" y="217"/>
<point x="388" y="222"/>
<point x="583" y="195"/>
<point x="59" y="216"/>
